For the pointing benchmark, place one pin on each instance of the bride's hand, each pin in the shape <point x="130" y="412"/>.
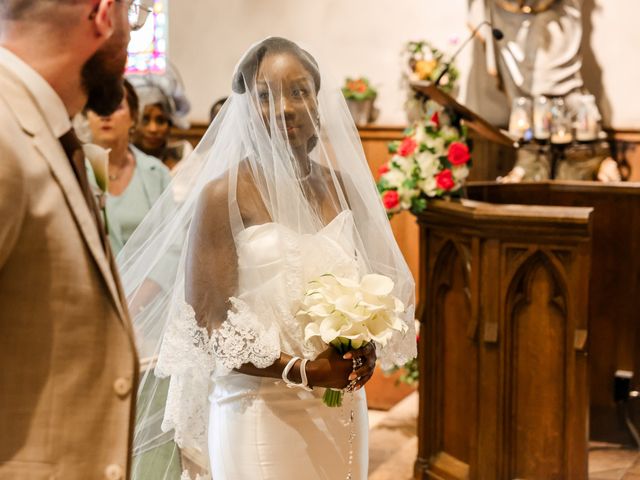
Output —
<point x="331" y="370"/>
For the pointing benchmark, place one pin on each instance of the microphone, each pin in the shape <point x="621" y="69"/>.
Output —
<point x="495" y="32"/>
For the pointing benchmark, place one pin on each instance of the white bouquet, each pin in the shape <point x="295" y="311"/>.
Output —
<point x="347" y="315"/>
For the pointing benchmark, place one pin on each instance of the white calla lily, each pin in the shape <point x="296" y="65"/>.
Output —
<point x="98" y="157"/>
<point x="377" y="284"/>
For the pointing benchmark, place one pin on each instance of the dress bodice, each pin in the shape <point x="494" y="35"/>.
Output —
<point x="275" y="264"/>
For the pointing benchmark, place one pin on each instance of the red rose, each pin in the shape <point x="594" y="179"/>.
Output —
<point x="384" y="168"/>
<point x="391" y="199"/>
<point x="444" y="180"/>
<point x="458" y="153"/>
<point x="407" y="147"/>
<point x="435" y="119"/>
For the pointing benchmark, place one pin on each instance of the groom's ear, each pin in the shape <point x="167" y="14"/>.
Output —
<point x="103" y="16"/>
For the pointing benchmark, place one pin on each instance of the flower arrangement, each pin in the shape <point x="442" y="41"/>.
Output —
<point x="431" y="161"/>
<point x="358" y="89"/>
<point x="427" y="62"/>
<point x="347" y="314"/>
<point x="410" y="373"/>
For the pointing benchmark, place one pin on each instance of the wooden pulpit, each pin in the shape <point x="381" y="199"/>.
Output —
<point x="503" y="343"/>
<point x="614" y="289"/>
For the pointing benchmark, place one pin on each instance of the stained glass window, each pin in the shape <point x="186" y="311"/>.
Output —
<point x="148" y="46"/>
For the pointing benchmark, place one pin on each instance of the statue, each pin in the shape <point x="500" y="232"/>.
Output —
<point x="538" y="56"/>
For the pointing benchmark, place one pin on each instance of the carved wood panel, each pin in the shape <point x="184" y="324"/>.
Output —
<point x="503" y="390"/>
<point x="536" y="335"/>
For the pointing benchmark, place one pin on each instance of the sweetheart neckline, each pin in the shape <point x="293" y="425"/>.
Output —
<point x="250" y="228"/>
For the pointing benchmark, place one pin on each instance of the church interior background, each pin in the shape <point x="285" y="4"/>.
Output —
<point x="529" y="340"/>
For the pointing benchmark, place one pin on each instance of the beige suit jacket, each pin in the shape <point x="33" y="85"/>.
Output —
<point x="68" y="367"/>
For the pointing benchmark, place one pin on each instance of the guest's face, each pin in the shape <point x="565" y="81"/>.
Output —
<point x="102" y="74"/>
<point x="111" y="129"/>
<point x="283" y="77"/>
<point x="153" y="130"/>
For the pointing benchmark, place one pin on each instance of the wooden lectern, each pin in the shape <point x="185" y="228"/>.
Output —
<point x="614" y="286"/>
<point x="503" y="388"/>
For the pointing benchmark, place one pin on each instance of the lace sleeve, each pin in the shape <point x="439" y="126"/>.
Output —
<point x="243" y="339"/>
<point x="402" y="347"/>
<point x="189" y="356"/>
<point x="186" y="356"/>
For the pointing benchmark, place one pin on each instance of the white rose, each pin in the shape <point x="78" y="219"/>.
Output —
<point x="406" y="196"/>
<point x="405" y="164"/>
<point x="394" y="177"/>
<point x="429" y="164"/>
<point x="429" y="186"/>
<point x="420" y="133"/>
<point x="460" y="173"/>
<point x="437" y="144"/>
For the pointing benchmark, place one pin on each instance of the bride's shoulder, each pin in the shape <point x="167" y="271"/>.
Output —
<point x="215" y="191"/>
<point x="218" y="189"/>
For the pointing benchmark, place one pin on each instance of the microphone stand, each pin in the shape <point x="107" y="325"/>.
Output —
<point x="497" y="34"/>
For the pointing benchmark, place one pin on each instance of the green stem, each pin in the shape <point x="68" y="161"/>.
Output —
<point x="332" y="398"/>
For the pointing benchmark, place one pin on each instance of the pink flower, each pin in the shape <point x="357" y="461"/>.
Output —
<point x="407" y="147"/>
<point x="435" y="119"/>
<point x="384" y="168"/>
<point x="458" y="153"/>
<point x="444" y="180"/>
<point x="391" y="199"/>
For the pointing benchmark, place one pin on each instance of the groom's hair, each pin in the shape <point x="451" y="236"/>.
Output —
<point x="33" y="9"/>
<point x="250" y="64"/>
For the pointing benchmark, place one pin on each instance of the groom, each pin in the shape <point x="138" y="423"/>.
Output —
<point x="68" y="367"/>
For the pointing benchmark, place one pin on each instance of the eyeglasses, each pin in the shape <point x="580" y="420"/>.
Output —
<point x="139" y="10"/>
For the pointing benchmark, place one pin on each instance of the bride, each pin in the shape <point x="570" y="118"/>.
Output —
<point x="280" y="194"/>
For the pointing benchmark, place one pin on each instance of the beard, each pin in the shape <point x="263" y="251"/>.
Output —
<point x="102" y="75"/>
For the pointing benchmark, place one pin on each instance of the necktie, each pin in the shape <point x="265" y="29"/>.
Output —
<point x="73" y="149"/>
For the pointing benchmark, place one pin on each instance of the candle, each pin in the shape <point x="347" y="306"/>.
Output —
<point x="542" y="118"/>
<point x="560" y="123"/>
<point x="520" y="120"/>
<point x="587" y="118"/>
<point x="561" y="137"/>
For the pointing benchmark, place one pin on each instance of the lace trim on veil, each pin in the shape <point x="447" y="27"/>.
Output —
<point x="402" y="347"/>
<point x="243" y="339"/>
<point x="189" y="356"/>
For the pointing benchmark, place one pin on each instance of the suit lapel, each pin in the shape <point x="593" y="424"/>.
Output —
<point x="31" y="119"/>
<point x="52" y="152"/>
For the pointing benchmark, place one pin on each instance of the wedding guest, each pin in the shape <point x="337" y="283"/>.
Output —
<point x="136" y="180"/>
<point x="69" y="364"/>
<point x="163" y="105"/>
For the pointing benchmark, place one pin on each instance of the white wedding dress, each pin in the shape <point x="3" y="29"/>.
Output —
<point x="247" y="280"/>
<point x="258" y="428"/>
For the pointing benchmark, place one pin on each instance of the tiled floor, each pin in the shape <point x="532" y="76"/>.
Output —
<point x="610" y="462"/>
<point x="394" y="446"/>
